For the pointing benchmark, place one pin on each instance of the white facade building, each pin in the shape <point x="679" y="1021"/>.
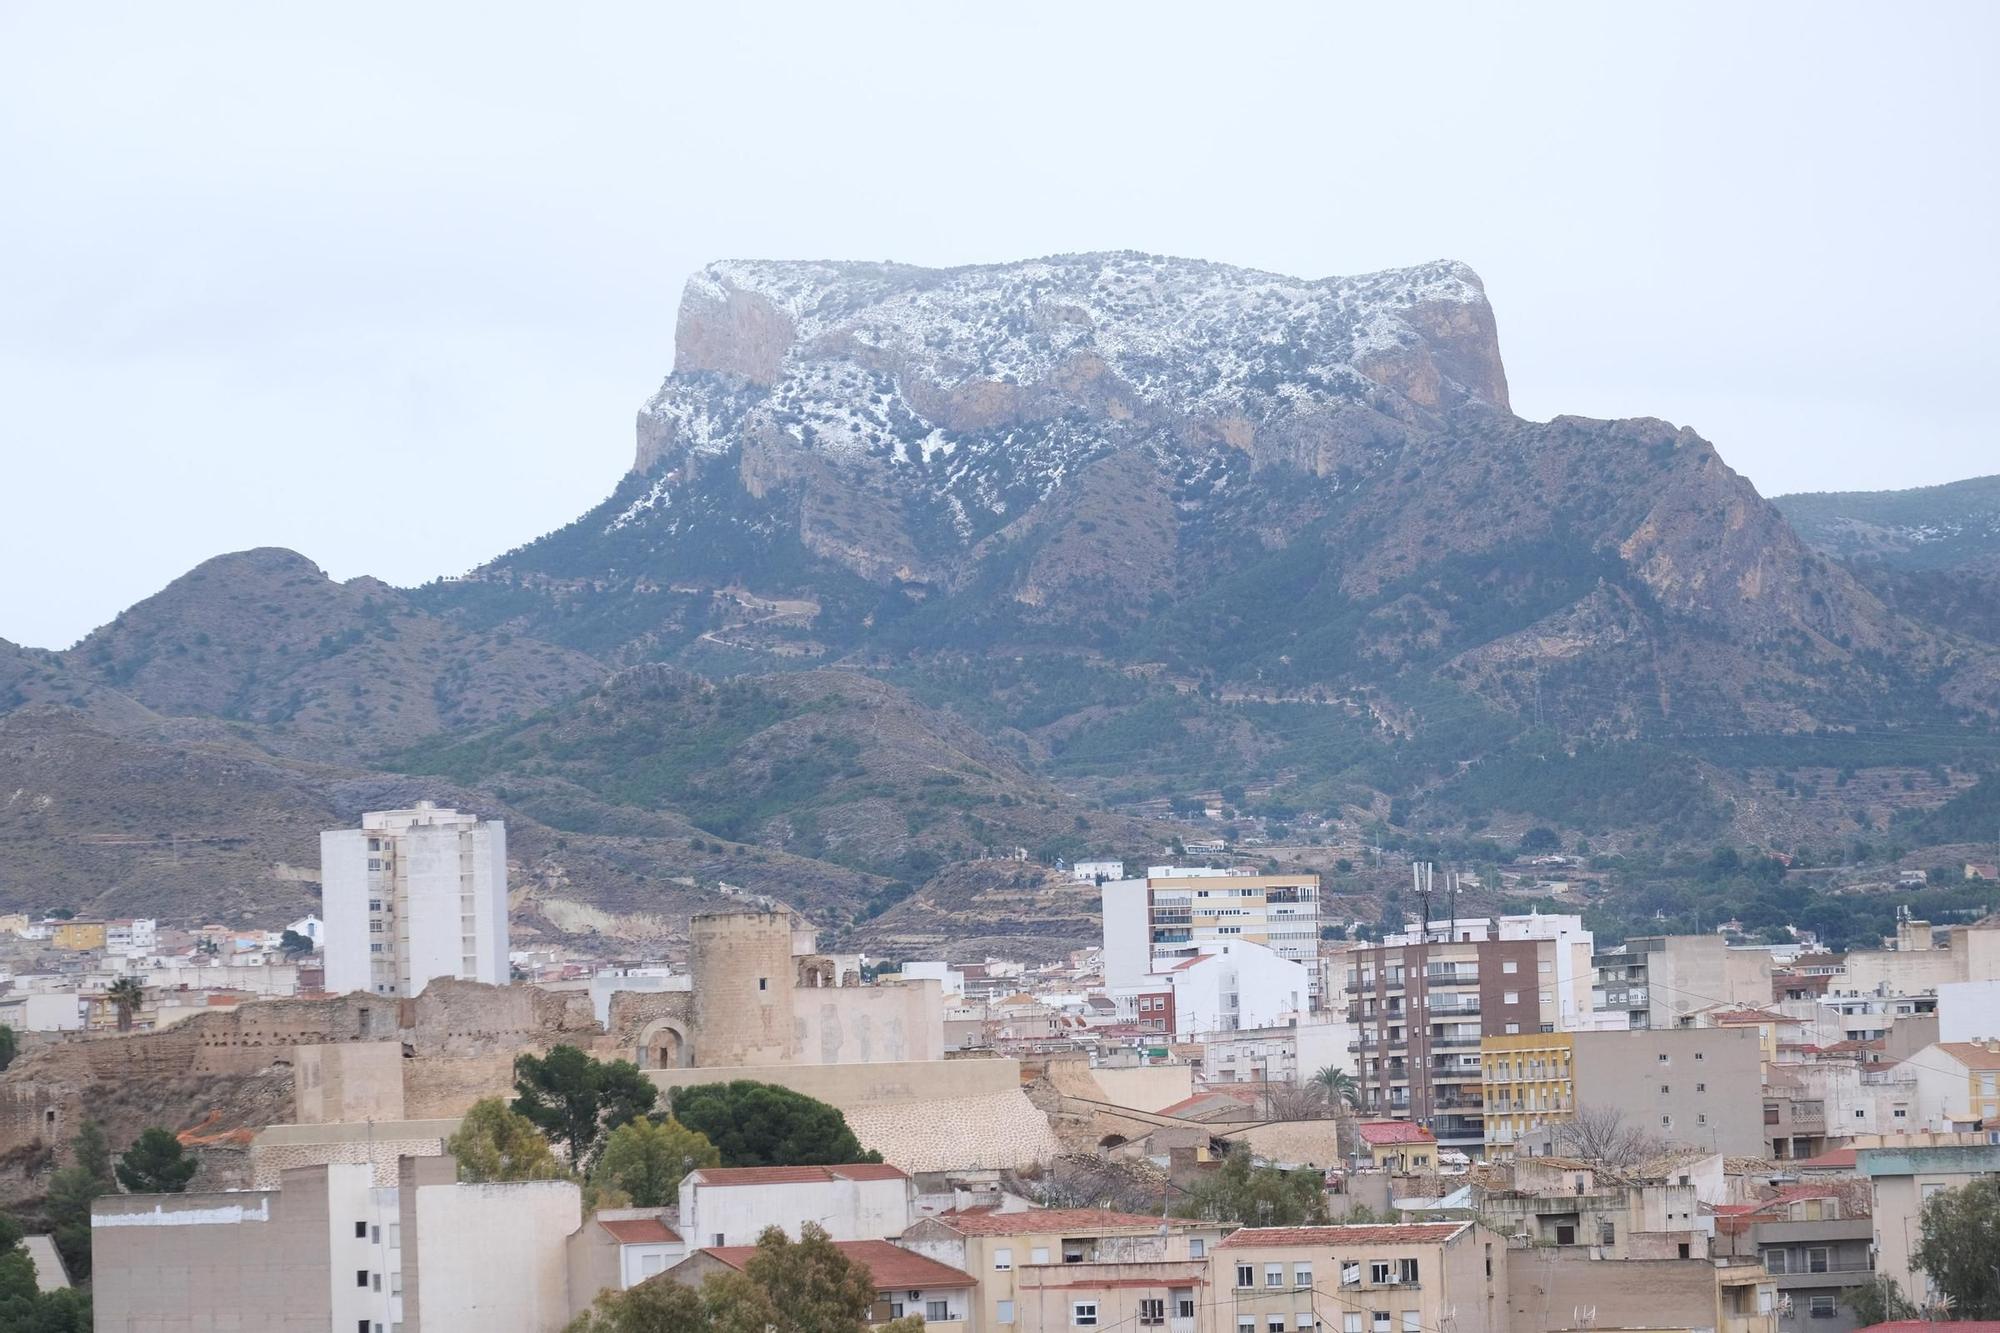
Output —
<point x="1152" y="923"/>
<point x="413" y="895"/>
<point x="733" y="1205"/>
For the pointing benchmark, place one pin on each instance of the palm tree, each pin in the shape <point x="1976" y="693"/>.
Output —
<point x="127" y="994"/>
<point x="1337" y="1088"/>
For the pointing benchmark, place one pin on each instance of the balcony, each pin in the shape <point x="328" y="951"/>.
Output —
<point x="1832" y="1275"/>
<point x="1454" y="1043"/>
<point x="1451" y="976"/>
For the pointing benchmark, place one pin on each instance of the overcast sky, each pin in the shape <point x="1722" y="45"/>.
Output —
<point x="386" y="284"/>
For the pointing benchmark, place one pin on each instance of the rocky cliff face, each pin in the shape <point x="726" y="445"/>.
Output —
<point x="1301" y="482"/>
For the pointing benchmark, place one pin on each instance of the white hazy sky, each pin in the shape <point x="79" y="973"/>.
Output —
<point x="386" y="283"/>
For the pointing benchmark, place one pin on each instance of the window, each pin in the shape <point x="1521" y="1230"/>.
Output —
<point x="1820" y="1307"/>
<point x="763" y="983"/>
<point x="1666" y="1122"/>
<point x="1003" y="1312"/>
<point x="938" y="1311"/>
<point x="1665" y="1089"/>
<point x="1378" y="1271"/>
<point x="1513" y="1029"/>
<point x="1510" y="997"/>
<point x="1509" y="967"/>
<point x="360" y="1277"/>
<point x="1302" y="1275"/>
<point x="1197" y="1248"/>
<point x="1378" y="1321"/>
<point x="375" y="1281"/>
<point x="1038" y="1255"/>
<point x="1774" y="1261"/>
<point x="1542" y="966"/>
<point x="361" y="1326"/>
<point x="1607" y="1233"/>
<point x="1184" y="1307"/>
<point x="719" y="1238"/>
<point x="1413" y="1321"/>
<point x="375" y="1234"/>
<point x="1698" y="1055"/>
<point x="1083" y="1314"/>
<point x="1701" y="1118"/>
<point x="1003" y="1261"/>
<point x="1701" y="1087"/>
<point x="1770" y="1113"/>
<point x="1406" y="1270"/>
<point x="396" y="1279"/>
<point x="1274" y="1275"/>
<point x="1274" y="1323"/>
<point x="1246" y="1323"/>
<point x="1152" y="1312"/>
<point x="895" y="1309"/>
<point x="361" y="1231"/>
<point x="1246" y="1276"/>
<point x="1350" y="1322"/>
<point x="1664" y="1059"/>
<point x="1816" y="1260"/>
<point x="1350" y="1275"/>
<point x="1545" y="997"/>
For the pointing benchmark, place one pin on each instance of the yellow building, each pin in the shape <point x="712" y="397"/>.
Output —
<point x="78" y="935"/>
<point x="1525" y="1082"/>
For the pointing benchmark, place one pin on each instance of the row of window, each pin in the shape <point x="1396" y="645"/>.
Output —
<point x="1381" y="1272"/>
<point x="1003" y="1256"/>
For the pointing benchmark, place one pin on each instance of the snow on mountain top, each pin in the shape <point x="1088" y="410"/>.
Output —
<point x="1154" y="320"/>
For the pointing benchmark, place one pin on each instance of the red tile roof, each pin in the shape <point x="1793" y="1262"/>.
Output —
<point x="1382" y="1133"/>
<point x="796" y="1175"/>
<point x="1972" y="1054"/>
<point x="1360" y="1233"/>
<point x="639" y="1231"/>
<point x="1033" y="1220"/>
<point x="1837" y="1159"/>
<point x="890" y="1267"/>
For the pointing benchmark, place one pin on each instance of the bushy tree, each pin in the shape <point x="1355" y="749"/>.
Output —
<point x="494" y="1143"/>
<point x="71" y="1192"/>
<point x="762" y="1124"/>
<point x="645" y="1160"/>
<point x="1239" y="1191"/>
<point x="1878" y="1302"/>
<point x="787" y="1286"/>
<point x="156" y="1164"/>
<point x="1961" y="1240"/>
<point x="577" y="1100"/>
<point x="10" y="1046"/>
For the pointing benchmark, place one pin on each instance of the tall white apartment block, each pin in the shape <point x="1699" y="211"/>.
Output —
<point x="1152" y="923"/>
<point x="413" y="895"/>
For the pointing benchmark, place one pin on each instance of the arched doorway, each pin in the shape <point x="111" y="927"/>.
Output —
<point x="663" y="1044"/>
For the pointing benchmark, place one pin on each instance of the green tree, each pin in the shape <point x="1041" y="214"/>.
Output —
<point x="294" y="945"/>
<point x="23" y="1306"/>
<point x="1256" y="1196"/>
<point x="762" y="1124"/>
<point x="1961" y="1237"/>
<point x="786" y="1286"/>
<point x="1539" y="841"/>
<point x="494" y="1143"/>
<point x="1878" y="1302"/>
<point x="71" y="1192"/>
<point x="1337" y="1088"/>
<point x="156" y="1164"/>
<point x="577" y="1101"/>
<point x="126" y="994"/>
<point x="10" y="1046"/>
<point x="645" y="1160"/>
<point x="91" y="1150"/>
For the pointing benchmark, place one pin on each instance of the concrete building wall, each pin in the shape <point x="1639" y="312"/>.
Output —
<point x="1128" y="953"/>
<point x="1146" y="1087"/>
<point x="845" y="1209"/>
<point x="1548" y="1288"/>
<point x="486" y="1258"/>
<point x="1696" y="1087"/>
<point x="1968" y="1010"/>
<point x="343" y="873"/>
<point x="743" y="988"/>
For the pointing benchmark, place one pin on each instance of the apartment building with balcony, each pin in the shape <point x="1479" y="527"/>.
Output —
<point x="1816" y="1242"/>
<point x="1423" y="1002"/>
<point x="1040" y="1270"/>
<point x="1153" y="923"/>
<point x="413" y="895"/>
<point x="1363" y="1278"/>
<point x="1526" y="1080"/>
<point x="1656" y="981"/>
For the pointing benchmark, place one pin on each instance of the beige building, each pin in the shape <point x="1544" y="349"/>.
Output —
<point x="1904" y="1170"/>
<point x="1569" y="1289"/>
<point x="1045" y="1269"/>
<point x="1656" y="981"/>
<point x="1689" y="1087"/>
<point x="1405" y="1277"/>
<point x="906" y="1283"/>
<point x="331" y="1249"/>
